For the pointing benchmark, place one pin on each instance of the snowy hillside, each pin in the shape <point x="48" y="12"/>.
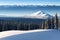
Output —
<point x="48" y="34"/>
<point x="39" y="14"/>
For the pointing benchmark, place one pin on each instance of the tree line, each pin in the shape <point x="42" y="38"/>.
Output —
<point x="49" y="23"/>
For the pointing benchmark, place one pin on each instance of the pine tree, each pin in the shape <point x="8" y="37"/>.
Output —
<point x="49" y="23"/>
<point x="52" y="23"/>
<point x="43" y="25"/>
<point x="28" y="26"/>
<point x="46" y="24"/>
<point x="56" y="21"/>
<point x="3" y="27"/>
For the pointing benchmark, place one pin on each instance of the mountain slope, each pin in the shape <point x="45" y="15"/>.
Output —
<point x="39" y="14"/>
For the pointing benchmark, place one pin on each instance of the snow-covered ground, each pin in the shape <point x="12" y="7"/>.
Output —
<point x="46" y="34"/>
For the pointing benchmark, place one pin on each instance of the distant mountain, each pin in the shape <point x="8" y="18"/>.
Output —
<point x="18" y="6"/>
<point x="39" y="14"/>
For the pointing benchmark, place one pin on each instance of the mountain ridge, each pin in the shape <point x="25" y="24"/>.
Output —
<point x="39" y="14"/>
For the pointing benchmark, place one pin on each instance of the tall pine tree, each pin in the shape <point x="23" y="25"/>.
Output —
<point x="56" y="21"/>
<point x="52" y="23"/>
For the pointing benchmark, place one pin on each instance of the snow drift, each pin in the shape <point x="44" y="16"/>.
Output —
<point x="48" y="34"/>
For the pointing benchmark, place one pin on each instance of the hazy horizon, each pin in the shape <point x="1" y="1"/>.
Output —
<point x="29" y="10"/>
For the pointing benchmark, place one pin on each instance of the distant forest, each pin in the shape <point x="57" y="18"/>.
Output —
<point x="49" y="23"/>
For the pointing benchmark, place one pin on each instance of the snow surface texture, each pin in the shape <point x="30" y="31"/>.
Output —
<point x="48" y="34"/>
<point x="39" y="14"/>
<point x="15" y="32"/>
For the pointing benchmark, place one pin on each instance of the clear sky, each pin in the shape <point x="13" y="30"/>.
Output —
<point x="29" y="2"/>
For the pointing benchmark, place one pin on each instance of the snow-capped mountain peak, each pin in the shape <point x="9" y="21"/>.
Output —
<point x="40" y="14"/>
<point x="37" y="13"/>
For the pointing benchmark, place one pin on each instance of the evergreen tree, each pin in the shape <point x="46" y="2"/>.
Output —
<point x="52" y="23"/>
<point x="3" y="27"/>
<point x="49" y="23"/>
<point x="56" y="21"/>
<point x="43" y="25"/>
<point x="28" y="26"/>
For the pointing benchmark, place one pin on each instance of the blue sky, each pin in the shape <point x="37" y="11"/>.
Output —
<point x="29" y="2"/>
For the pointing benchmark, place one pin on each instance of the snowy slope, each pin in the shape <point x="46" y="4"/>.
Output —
<point x="39" y="14"/>
<point x="14" y="32"/>
<point x="48" y="34"/>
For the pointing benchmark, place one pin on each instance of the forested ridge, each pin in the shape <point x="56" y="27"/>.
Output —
<point x="49" y="23"/>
